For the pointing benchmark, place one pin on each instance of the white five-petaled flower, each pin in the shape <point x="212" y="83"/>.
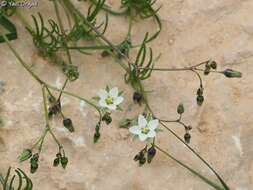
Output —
<point x="110" y="99"/>
<point x="145" y="129"/>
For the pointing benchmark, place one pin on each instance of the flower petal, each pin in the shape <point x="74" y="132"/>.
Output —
<point x="114" y="92"/>
<point x="142" y="137"/>
<point x="111" y="107"/>
<point x="102" y="94"/>
<point x="118" y="100"/>
<point x="142" y="122"/>
<point x="135" y="130"/>
<point x="102" y="103"/>
<point x="153" y="124"/>
<point x="151" y="134"/>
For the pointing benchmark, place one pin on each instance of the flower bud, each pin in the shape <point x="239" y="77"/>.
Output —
<point x="34" y="163"/>
<point x="25" y="155"/>
<point x="137" y="97"/>
<point x="105" y="53"/>
<point x="142" y="161"/>
<point x="137" y="157"/>
<point x="180" y="109"/>
<point x="96" y="137"/>
<point x="213" y="65"/>
<point x="200" y="100"/>
<point x="207" y="70"/>
<point x="56" y="162"/>
<point x="97" y="128"/>
<point x="64" y="162"/>
<point x="34" y="167"/>
<point x="188" y="128"/>
<point x="72" y="72"/>
<point x="200" y="92"/>
<point x="107" y="118"/>
<point x="35" y="158"/>
<point x="187" y="137"/>
<point x="67" y="123"/>
<point x="151" y="153"/>
<point x="232" y="73"/>
<point x="54" y="109"/>
<point x="51" y="99"/>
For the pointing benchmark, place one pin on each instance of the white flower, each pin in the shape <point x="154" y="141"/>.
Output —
<point x="110" y="99"/>
<point x="145" y="129"/>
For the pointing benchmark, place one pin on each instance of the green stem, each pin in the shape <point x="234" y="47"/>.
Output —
<point x="130" y="25"/>
<point x="40" y="139"/>
<point x="1" y="179"/>
<point x="41" y="82"/>
<point x="206" y="180"/>
<point x="108" y="9"/>
<point x="22" y="62"/>
<point x="78" y="97"/>
<point x="63" y="87"/>
<point x="23" y="20"/>
<point x="47" y="119"/>
<point x="72" y="9"/>
<point x="62" y="31"/>
<point x="195" y="153"/>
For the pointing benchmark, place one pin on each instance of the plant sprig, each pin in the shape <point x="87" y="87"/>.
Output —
<point x="8" y="181"/>
<point x="136" y="71"/>
<point x="46" y="88"/>
<point x="145" y="100"/>
<point x="47" y="40"/>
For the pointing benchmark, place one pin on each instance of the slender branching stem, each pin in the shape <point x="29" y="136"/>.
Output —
<point x="213" y="184"/>
<point x="191" y="68"/>
<point x="195" y="153"/>
<point x="62" y="30"/>
<point x="47" y="86"/>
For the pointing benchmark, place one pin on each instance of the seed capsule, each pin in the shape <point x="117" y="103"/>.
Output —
<point x="142" y="161"/>
<point x="54" y="109"/>
<point x="56" y="162"/>
<point x="200" y="92"/>
<point x="35" y="158"/>
<point x="72" y="72"/>
<point x="64" y="162"/>
<point x="213" y="65"/>
<point x="187" y="138"/>
<point x="180" y="109"/>
<point x="232" y="73"/>
<point x="151" y="154"/>
<point x="96" y="137"/>
<point x="137" y="97"/>
<point x="188" y="128"/>
<point x="137" y="157"/>
<point x="207" y="71"/>
<point x="107" y="118"/>
<point x="25" y="155"/>
<point x="68" y="124"/>
<point x="105" y="53"/>
<point x="51" y="99"/>
<point x="200" y="100"/>
<point x="34" y="167"/>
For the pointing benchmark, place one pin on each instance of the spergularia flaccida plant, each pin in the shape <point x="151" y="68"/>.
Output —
<point x="55" y="41"/>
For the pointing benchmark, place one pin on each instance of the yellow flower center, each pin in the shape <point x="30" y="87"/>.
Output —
<point x="109" y="100"/>
<point x="145" y="130"/>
